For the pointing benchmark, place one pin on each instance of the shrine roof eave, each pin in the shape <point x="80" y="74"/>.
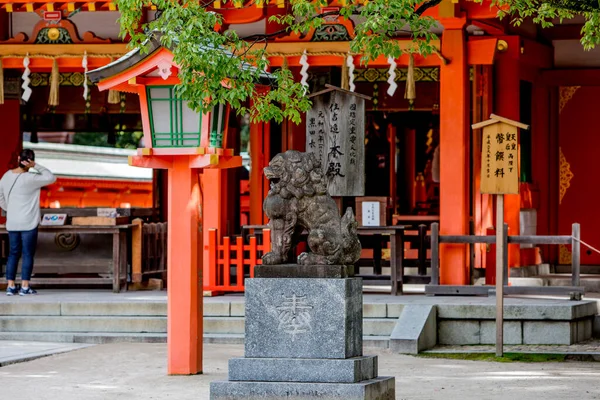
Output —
<point x="129" y="60"/>
<point x="152" y="45"/>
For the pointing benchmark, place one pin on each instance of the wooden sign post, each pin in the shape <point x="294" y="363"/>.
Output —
<point x="335" y="133"/>
<point x="500" y="176"/>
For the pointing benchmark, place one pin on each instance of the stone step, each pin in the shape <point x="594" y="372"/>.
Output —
<point x="148" y="324"/>
<point x="85" y="337"/>
<point x="152" y="309"/>
<point x="584" y="269"/>
<point x="108" y="337"/>
<point x="83" y="324"/>
<point x="378" y="326"/>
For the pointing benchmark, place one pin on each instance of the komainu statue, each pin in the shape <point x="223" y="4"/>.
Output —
<point x="298" y="201"/>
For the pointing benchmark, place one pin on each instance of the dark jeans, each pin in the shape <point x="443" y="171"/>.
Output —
<point x="21" y="243"/>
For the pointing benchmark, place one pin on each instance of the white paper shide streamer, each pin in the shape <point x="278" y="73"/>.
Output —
<point x="350" y="65"/>
<point x="392" y="77"/>
<point x="304" y="70"/>
<point x="26" y="81"/>
<point x="84" y="64"/>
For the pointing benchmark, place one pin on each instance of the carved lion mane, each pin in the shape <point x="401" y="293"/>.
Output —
<point x="295" y="174"/>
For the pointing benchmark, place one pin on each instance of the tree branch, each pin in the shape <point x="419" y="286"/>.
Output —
<point x="426" y="6"/>
<point x="576" y="5"/>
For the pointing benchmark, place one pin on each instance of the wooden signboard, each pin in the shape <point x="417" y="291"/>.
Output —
<point x="500" y="156"/>
<point x="335" y="133"/>
<point x="500" y="176"/>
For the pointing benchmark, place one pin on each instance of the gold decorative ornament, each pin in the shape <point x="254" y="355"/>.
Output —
<point x="566" y="175"/>
<point x="564" y="255"/>
<point x="502" y="46"/>
<point x="53" y="33"/>
<point x="566" y="93"/>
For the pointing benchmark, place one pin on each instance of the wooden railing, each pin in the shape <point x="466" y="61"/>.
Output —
<point x="574" y="292"/>
<point x="230" y="261"/>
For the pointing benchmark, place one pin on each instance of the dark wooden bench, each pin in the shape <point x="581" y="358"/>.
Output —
<point x="109" y="267"/>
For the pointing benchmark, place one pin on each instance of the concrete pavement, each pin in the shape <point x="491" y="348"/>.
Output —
<point x="12" y="351"/>
<point x="138" y="371"/>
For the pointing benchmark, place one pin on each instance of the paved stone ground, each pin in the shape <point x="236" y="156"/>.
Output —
<point x="16" y="351"/>
<point x="138" y="371"/>
<point x="591" y="347"/>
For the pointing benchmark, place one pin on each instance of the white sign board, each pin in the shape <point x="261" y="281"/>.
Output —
<point x="370" y="213"/>
<point x="107" y="212"/>
<point x="54" y="219"/>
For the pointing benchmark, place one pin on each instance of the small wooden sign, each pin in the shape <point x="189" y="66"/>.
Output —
<point x="335" y="133"/>
<point x="500" y="155"/>
<point x="371" y="211"/>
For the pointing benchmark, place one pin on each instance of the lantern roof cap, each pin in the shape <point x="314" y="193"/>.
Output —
<point x="151" y="45"/>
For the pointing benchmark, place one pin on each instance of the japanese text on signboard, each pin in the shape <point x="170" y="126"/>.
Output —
<point x="335" y="134"/>
<point x="500" y="166"/>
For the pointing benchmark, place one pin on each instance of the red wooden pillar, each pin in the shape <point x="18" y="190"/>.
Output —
<point x="10" y="135"/>
<point x="507" y="104"/>
<point x="214" y="189"/>
<point x="184" y="331"/>
<point x="260" y="150"/>
<point x="454" y="152"/>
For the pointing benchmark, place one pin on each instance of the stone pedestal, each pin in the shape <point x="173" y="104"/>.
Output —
<point x="303" y="340"/>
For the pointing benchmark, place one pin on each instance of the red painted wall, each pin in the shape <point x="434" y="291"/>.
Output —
<point x="579" y="140"/>
<point x="10" y="135"/>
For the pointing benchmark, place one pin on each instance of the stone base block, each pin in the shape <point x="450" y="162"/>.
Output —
<point x="303" y="318"/>
<point x="382" y="388"/>
<point x="303" y="271"/>
<point x="350" y="370"/>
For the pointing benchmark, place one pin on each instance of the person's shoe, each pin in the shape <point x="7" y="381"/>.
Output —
<point x="26" y="291"/>
<point x="11" y="291"/>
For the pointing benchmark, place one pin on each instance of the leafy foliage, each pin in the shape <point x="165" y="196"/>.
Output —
<point x="544" y="12"/>
<point x="216" y="66"/>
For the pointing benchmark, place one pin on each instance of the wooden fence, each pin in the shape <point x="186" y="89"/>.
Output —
<point x="149" y="249"/>
<point x="230" y="261"/>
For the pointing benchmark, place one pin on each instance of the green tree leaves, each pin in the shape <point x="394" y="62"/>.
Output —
<point x="218" y="67"/>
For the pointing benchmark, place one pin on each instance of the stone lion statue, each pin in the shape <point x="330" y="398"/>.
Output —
<point x="297" y="201"/>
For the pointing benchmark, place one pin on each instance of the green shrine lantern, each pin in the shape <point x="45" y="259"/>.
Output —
<point x="173" y="124"/>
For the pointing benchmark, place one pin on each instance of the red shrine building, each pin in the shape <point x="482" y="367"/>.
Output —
<point x="421" y="154"/>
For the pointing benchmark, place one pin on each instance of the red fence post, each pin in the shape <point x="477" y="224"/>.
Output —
<point x="253" y="255"/>
<point x="226" y="261"/>
<point x="213" y="252"/>
<point x="239" y="262"/>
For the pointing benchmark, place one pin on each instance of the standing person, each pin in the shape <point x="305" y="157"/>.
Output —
<point x="20" y="197"/>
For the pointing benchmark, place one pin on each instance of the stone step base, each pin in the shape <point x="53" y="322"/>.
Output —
<point x="38" y="307"/>
<point x="382" y="388"/>
<point x="148" y="324"/>
<point x="107" y="337"/>
<point x="349" y="370"/>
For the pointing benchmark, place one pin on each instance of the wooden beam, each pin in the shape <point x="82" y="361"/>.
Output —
<point x="156" y="162"/>
<point x="283" y="48"/>
<point x="65" y="50"/>
<point x="481" y="51"/>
